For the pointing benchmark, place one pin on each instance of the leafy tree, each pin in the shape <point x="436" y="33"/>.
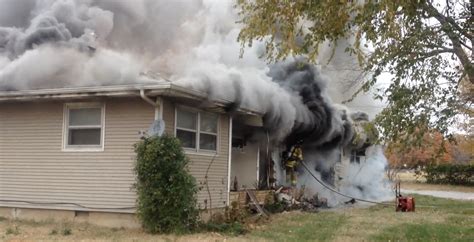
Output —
<point x="424" y="44"/>
<point x="433" y="149"/>
<point x="464" y="149"/>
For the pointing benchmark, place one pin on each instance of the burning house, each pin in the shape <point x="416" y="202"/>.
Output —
<point x="80" y="81"/>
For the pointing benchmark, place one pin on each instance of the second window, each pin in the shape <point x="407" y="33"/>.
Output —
<point x="196" y="129"/>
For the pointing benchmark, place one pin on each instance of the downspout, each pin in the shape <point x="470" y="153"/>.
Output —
<point x="156" y="104"/>
<point x="229" y="161"/>
<point x="258" y="166"/>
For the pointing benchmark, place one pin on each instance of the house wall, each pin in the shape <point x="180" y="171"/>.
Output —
<point x="244" y="165"/>
<point x="218" y="172"/>
<point x="340" y="169"/>
<point x="34" y="168"/>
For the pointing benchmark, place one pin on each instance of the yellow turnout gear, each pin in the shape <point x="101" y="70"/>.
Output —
<point x="296" y="156"/>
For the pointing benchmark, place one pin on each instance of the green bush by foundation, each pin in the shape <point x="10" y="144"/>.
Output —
<point x="166" y="191"/>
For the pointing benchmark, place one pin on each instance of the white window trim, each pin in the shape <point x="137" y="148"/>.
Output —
<point x="198" y="131"/>
<point x="83" y="148"/>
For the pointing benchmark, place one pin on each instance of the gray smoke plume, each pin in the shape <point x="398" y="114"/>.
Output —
<point x="71" y="43"/>
<point x="364" y="180"/>
<point x="326" y="125"/>
<point x="367" y="178"/>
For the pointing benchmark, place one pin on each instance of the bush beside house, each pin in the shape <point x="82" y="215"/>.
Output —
<point x="166" y="191"/>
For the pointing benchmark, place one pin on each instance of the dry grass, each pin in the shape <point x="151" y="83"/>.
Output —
<point x="435" y="187"/>
<point x="436" y="219"/>
<point x="409" y="176"/>
<point x="411" y="182"/>
<point x="50" y="231"/>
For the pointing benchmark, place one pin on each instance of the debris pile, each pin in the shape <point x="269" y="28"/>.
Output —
<point x="294" y="198"/>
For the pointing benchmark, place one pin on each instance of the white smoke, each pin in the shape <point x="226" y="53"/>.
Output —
<point x="51" y="66"/>
<point x="190" y="43"/>
<point x="367" y="179"/>
<point x="67" y="43"/>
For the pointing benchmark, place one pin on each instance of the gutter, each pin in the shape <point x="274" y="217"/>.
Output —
<point x="180" y="91"/>
<point x="158" y="104"/>
<point x="159" y="89"/>
<point x="94" y="90"/>
<point x="146" y="98"/>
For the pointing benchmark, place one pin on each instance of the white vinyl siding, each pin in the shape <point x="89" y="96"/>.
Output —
<point x="33" y="167"/>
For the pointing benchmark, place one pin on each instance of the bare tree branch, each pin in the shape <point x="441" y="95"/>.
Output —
<point x="457" y="46"/>
<point x="447" y="20"/>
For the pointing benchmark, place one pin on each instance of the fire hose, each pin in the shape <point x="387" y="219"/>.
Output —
<point x="344" y="195"/>
<point x="337" y="192"/>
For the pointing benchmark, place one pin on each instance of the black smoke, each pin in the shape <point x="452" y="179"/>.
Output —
<point x="328" y="127"/>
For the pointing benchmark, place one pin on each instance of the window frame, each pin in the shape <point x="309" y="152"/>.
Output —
<point x="198" y="131"/>
<point x="66" y="127"/>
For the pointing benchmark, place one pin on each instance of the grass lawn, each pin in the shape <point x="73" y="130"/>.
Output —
<point x="438" y="220"/>
<point x="446" y="220"/>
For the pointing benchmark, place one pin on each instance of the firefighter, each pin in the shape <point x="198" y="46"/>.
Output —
<point x="294" y="158"/>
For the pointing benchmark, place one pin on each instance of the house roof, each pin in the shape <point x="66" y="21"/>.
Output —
<point x="164" y="88"/>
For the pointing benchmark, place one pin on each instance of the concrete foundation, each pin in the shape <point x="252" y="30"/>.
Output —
<point x="105" y="219"/>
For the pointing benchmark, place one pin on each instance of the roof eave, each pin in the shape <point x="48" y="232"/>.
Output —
<point x="161" y="89"/>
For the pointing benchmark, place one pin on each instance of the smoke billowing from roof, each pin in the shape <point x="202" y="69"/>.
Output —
<point x="68" y="43"/>
<point x="64" y="43"/>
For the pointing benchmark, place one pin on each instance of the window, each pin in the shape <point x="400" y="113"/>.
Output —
<point x="84" y="126"/>
<point x="197" y="130"/>
<point x="357" y="155"/>
<point x="186" y="128"/>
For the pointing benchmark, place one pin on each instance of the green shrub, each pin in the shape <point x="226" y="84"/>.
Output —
<point x="166" y="191"/>
<point x="450" y="174"/>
